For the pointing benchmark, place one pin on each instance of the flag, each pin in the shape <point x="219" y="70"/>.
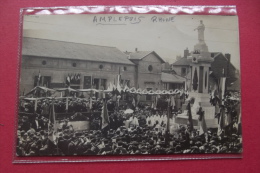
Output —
<point x="78" y="76"/>
<point x="133" y="102"/>
<point x="222" y="89"/>
<point x="228" y="119"/>
<point x="172" y="101"/>
<point x="125" y="88"/>
<point x="152" y="106"/>
<point x="52" y="114"/>
<point x="39" y="78"/>
<point x="168" y="117"/>
<point x="52" y="122"/>
<point x="167" y="130"/>
<point x="71" y="78"/>
<point x="75" y="77"/>
<point x="190" y="117"/>
<point x="138" y="99"/>
<point x="110" y="87"/>
<point x="67" y="104"/>
<point x="35" y="105"/>
<point x="195" y="80"/>
<point x="118" y="87"/>
<point x="221" y="122"/>
<point x="68" y="80"/>
<point x="156" y="101"/>
<point x="104" y="115"/>
<point x="90" y="102"/>
<point x="203" y="126"/>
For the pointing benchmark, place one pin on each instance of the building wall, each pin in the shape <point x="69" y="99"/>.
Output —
<point x="178" y="70"/>
<point x="146" y="78"/>
<point x="220" y="62"/>
<point x="59" y="69"/>
<point x="149" y="79"/>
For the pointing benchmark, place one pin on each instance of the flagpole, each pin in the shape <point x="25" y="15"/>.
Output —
<point x="35" y="105"/>
<point x="190" y="117"/>
<point x="168" y="124"/>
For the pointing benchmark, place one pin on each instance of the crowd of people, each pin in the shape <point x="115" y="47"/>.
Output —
<point x="144" y="131"/>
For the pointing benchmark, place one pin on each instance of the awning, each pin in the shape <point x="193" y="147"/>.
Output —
<point x="172" y="78"/>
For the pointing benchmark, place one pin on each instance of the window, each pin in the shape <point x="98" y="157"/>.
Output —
<point x="150" y="68"/>
<point x="43" y="62"/>
<point x="103" y="84"/>
<point x="75" y="79"/>
<point x="42" y="81"/>
<point x="100" y="83"/>
<point x="101" y="67"/>
<point x="125" y="68"/>
<point x="87" y="82"/>
<point x="74" y="64"/>
<point x="164" y="86"/>
<point x="183" y="72"/>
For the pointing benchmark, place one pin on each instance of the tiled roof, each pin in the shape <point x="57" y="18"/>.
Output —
<point x="172" y="78"/>
<point x="138" y="55"/>
<point x="69" y="50"/>
<point x="182" y="62"/>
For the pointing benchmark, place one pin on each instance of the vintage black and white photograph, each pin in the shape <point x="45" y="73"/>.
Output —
<point x="129" y="84"/>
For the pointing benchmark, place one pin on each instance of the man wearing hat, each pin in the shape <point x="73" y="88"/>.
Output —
<point x="106" y="147"/>
<point x="36" y="123"/>
<point x="66" y="125"/>
<point x="25" y="125"/>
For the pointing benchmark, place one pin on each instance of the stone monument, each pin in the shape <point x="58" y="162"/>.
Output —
<point x="200" y="64"/>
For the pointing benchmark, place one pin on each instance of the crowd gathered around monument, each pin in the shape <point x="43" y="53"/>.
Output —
<point x="131" y="129"/>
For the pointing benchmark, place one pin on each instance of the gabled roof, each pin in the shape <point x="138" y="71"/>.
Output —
<point x="172" y="78"/>
<point x="182" y="62"/>
<point x="216" y="54"/>
<point x="68" y="50"/>
<point x="139" y="55"/>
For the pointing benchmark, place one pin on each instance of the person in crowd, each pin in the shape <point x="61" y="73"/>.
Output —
<point x="34" y="137"/>
<point x="133" y="121"/>
<point x="67" y="125"/>
<point x="37" y="123"/>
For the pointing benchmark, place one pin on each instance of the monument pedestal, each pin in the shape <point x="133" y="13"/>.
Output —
<point x="183" y="119"/>
<point x="201" y="99"/>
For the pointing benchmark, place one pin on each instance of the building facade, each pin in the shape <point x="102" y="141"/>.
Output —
<point x="90" y="66"/>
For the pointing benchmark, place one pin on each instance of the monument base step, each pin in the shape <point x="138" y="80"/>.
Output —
<point x="183" y="120"/>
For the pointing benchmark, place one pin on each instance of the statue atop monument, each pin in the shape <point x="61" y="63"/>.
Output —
<point x="200" y="29"/>
<point x="201" y="46"/>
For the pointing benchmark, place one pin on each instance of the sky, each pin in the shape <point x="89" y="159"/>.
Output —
<point x="167" y="35"/>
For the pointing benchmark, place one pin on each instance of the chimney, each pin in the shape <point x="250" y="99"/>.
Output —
<point x="136" y="49"/>
<point x="186" y="53"/>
